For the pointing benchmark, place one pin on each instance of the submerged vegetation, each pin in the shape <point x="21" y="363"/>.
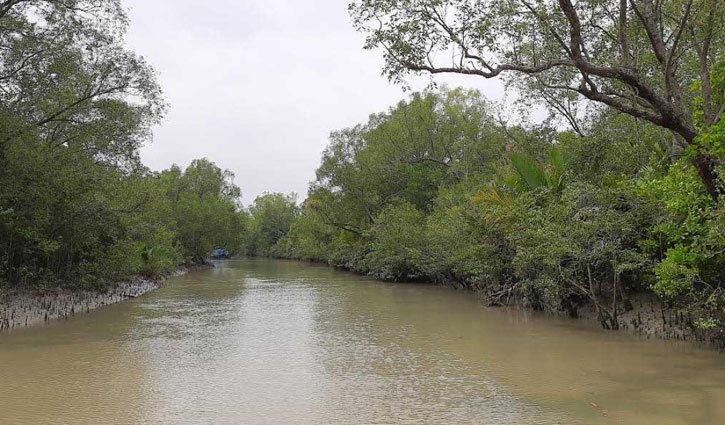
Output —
<point x="77" y="207"/>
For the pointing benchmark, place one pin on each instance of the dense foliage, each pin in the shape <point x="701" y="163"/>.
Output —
<point x="271" y="216"/>
<point x="77" y="208"/>
<point x="438" y="188"/>
<point x="653" y="60"/>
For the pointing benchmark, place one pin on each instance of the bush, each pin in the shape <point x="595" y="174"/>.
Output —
<point x="397" y="243"/>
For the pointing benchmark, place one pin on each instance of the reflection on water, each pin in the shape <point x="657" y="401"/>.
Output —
<point x="262" y="341"/>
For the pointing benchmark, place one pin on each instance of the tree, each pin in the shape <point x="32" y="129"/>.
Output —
<point x="67" y="79"/>
<point x="580" y="245"/>
<point x="406" y="153"/>
<point x="204" y="204"/>
<point x="639" y="57"/>
<point x="77" y="207"/>
<point x="397" y="243"/>
<point x="271" y="216"/>
<point x="75" y="106"/>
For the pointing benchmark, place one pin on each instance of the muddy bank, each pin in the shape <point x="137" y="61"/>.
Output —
<point x="20" y="309"/>
<point x="645" y="315"/>
<point x="648" y="316"/>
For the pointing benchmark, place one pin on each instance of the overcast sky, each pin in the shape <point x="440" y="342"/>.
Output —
<point x="257" y="85"/>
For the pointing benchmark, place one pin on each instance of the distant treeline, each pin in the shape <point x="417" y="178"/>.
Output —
<point x="438" y="188"/>
<point x="77" y="208"/>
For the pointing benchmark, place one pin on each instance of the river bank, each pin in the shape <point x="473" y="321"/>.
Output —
<point x="643" y="314"/>
<point x="20" y="309"/>
<point x="648" y="316"/>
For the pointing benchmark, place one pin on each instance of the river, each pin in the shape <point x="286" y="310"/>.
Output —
<point x="280" y="342"/>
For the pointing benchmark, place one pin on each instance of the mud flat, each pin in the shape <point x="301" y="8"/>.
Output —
<point x="21" y="309"/>
<point x="650" y="317"/>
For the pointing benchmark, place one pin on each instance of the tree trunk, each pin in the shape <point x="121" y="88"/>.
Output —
<point x="705" y="166"/>
<point x="613" y="317"/>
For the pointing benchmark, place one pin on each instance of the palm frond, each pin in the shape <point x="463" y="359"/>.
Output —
<point x="495" y="195"/>
<point x="531" y="172"/>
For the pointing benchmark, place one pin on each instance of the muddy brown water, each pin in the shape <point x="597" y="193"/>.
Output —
<point x="263" y="341"/>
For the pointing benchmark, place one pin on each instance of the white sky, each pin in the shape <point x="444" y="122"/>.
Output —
<point x="257" y="85"/>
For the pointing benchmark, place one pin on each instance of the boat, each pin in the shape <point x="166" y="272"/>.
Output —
<point x="219" y="253"/>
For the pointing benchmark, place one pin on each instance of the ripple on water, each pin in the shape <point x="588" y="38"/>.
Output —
<point x="280" y="342"/>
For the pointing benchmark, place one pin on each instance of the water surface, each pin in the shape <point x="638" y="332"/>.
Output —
<point x="263" y="341"/>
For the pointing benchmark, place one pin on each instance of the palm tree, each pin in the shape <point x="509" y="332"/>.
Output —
<point x="526" y="174"/>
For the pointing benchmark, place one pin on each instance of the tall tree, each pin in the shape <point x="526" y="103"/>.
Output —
<point x="75" y="106"/>
<point x="66" y="79"/>
<point x="640" y="57"/>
